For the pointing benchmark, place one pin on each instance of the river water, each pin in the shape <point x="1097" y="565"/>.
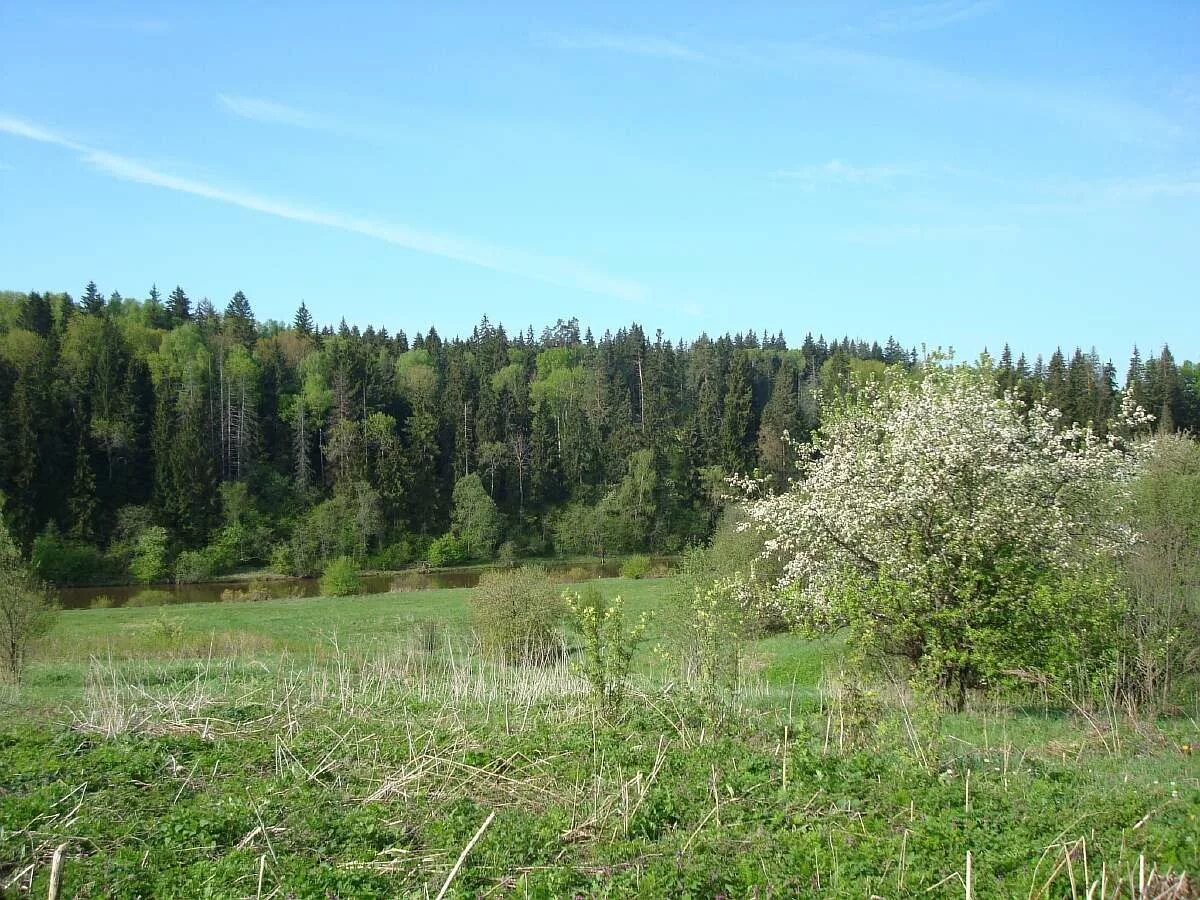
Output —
<point x="411" y="580"/>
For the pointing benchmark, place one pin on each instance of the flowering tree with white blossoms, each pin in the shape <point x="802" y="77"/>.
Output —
<point x="952" y="527"/>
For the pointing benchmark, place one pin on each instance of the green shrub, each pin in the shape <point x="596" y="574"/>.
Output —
<point x="192" y="566"/>
<point x="394" y="556"/>
<point x="166" y="629"/>
<point x="151" y="598"/>
<point x="1161" y="633"/>
<point x="282" y="559"/>
<point x="27" y="608"/>
<point x="149" y="561"/>
<point x="517" y="613"/>
<point x="447" y="550"/>
<point x="341" y="578"/>
<point x="102" y="602"/>
<point x="608" y="646"/>
<point x="635" y="567"/>
<point x="62" y="561"/>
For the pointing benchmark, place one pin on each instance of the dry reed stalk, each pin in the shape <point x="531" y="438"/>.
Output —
<point x="462" y="856"/>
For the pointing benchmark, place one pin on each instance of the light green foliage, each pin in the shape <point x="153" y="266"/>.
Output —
<point x="26" y="608"/>
<point x="447" y="550"/>
<point x="636" y="566"/>
<point x="517" y="613"/>
<point x="172" y="727"/>
<point x="608" y="645"/>
<point x="341" y="578"/>
<point x="347" y="524"/>
<point x="192" y="566"/>
<point x="417" y="379"/>
<point x="149" y="561"/>
<point x="1162" y="572"/>
<point x="475" y="518"/>
<point x="707" y="639"/>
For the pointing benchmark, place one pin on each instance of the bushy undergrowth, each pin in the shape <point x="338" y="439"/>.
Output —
<point x="341" y="578"/>
<point x="636" y="566"/>
<point x="368" y="773"/>
<point x="517" y="613"/>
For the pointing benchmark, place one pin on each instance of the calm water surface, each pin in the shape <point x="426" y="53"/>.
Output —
<point x="210" y="591"/>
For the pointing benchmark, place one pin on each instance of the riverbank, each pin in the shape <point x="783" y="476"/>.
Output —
<point x="272" y="585"/>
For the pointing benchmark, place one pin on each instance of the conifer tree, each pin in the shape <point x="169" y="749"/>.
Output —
<point x="303" y="322"/>
<point x="179" y="306"/>
<point x="92" y="301"/>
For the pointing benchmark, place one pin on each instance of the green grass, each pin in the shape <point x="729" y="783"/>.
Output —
<point x="184" y="750"/>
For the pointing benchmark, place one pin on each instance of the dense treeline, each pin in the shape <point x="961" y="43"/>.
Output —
<point x="162" y="438"/>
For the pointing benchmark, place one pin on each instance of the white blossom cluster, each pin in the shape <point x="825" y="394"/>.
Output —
<point x="936" y="484"/>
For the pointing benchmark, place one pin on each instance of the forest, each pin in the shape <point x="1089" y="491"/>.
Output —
<point x="159" y="439"/>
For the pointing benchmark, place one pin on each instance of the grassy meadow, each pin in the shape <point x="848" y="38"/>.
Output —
<point x="362" y="747"/>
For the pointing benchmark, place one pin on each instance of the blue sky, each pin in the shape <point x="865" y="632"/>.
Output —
<point x="954" y="172"/>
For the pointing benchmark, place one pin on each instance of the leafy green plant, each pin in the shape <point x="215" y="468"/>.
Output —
<point x="193" y="566"/>
<point x="149" y="561"/>
<point x="62" y="561"/>
<point x="447" y="550"/>
<point x="706" y="640"/>
<point x="341" y="578"/>
<point x="608" y="645"/>
<point x="166" y="629"/>
<point x="517" y="613"/>
<point x="27" y="608"/>
<point x="637" y="566"/>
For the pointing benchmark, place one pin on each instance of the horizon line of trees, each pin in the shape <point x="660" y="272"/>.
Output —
<point x="170" y="439"/>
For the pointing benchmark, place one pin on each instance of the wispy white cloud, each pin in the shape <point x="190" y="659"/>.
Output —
<point x="837" y="172"/>
<point x="931" y="16"/>
<point x="1089" y="109"/>
<point x="551" y="270"/>
<point x="1082" y="107"/>
<point x="260" y="110"/>
<point x="929" y="231"/>
<point x="633" y="45"/>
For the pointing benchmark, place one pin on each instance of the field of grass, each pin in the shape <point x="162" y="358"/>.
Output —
<point x="359" y="747"/>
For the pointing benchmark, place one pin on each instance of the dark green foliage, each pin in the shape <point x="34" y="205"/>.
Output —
<point x="584" y="444"/>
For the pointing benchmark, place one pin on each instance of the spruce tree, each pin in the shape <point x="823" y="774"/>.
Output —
<point x="179" y="306"/>
<point x="92" y="301"/>
<point x="303" y="322"/>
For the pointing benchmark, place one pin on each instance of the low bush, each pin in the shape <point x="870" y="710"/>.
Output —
<point x="635" y="567"/>
<point x="517" y="613"/>
<point x="192" y="566"/>
<point x="102" y="602"/>
<point x="396" y="555"/>
<point x="341" y="578"/>
<point x="447" y="550"/>
<point x="62" y="561"/>
<point x="151" y="598"/>
<point x="149" y="562"/>
<point x="608" y="646"/>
